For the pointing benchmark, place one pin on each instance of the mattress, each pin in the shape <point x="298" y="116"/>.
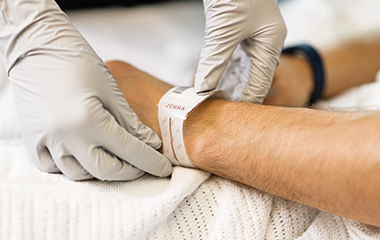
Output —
<point x="165" y="40"/>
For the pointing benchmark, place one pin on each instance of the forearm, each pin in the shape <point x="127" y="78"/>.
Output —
<point x="351" y="64"/>
<point x="327" y="160"/>
<point x="323" y="159"/>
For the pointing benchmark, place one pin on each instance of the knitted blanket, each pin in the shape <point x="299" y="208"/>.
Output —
<point x="189" y="205"/>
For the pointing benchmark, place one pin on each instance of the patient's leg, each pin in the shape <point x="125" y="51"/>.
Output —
<point x="328" y="160"/>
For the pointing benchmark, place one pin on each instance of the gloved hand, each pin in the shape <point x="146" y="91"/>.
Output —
<point x="72" y="115"/>
<point x="255" y="24"/>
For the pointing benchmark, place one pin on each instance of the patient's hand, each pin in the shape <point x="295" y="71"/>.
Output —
<point x="292" y="83"/>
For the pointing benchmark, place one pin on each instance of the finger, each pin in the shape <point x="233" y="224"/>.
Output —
<point x="263" y="65"/>
<point x="142" y="139"/>
<point x="128" y="148"/>
<point x="264" y="49"/>
<point x="69" y="165"/>
<point x="45" y="161"/>
<point x="213" y="61"/>
<point x="105" y="166"/>
<point x="41" y="156"/>
<point x="224" y="31"/>
<point x="118" y="106"/>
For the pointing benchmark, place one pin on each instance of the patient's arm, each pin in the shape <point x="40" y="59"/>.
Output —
<point x="328" y="160"/>
<point x="350" y="64"/>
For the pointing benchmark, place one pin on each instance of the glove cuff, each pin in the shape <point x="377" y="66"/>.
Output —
<point x="316" y="65"/>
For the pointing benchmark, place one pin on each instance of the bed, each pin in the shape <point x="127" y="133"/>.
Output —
<point x="165" y="40"/>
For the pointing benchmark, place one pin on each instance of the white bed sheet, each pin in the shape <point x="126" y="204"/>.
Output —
<point x="165" y="41"/>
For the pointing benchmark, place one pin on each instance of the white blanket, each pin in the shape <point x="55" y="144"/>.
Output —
<point x="191" y="204"/>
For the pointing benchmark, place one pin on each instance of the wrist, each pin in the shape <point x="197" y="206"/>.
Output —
<point x="316" y="64"/>
<point x="305" y="75"/>
<point x="204" y="143"/>
<point x="292" y="83"/>
<point x="195" y="133"/>
<point x="173" y="109"/>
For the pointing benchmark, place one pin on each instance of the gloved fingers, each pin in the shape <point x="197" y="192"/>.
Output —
<point x="213" y="61"/>
<point x="68" y="164"/>
<point x="72" y="169"/>
<point x="264" y="62"/>
<point x="127" y="147"/>
<point x="106" y="166"/>
<point x="42" y="158"/>
<point x="45" y="161"/>
<point x="118" y="106"/>
<point x="221" y="39"/>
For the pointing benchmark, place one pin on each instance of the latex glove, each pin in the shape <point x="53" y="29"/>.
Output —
<point x="255" y="24"/>
<point x="72" y="115"/>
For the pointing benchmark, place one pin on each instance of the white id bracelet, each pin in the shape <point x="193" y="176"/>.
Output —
<point x="173" y="109"/>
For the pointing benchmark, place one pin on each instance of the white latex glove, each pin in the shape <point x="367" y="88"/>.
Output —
<point x="72" y="115"/>
<point x="255" y="24"/>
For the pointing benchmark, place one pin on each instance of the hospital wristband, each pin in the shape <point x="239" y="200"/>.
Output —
<point x="316" y="65"/>
<point x="173" y="109"/>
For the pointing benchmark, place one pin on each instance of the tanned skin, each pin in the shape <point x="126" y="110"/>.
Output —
<point x="327" y="160"/>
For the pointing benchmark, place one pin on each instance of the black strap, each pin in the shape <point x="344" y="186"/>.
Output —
<point x="316" y="64"/>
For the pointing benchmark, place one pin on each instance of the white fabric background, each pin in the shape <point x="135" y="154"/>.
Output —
<point x="165" y="41"/>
